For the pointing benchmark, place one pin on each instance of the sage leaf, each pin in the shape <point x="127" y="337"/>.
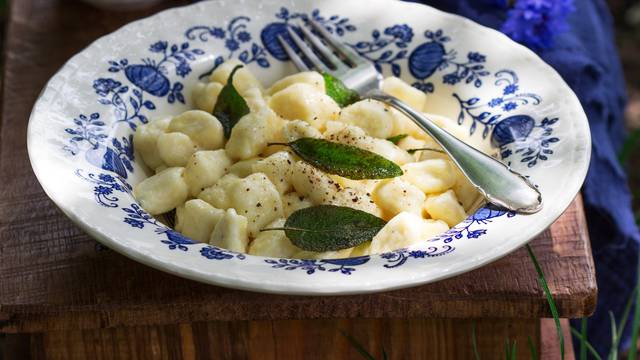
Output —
<point x="330" y="228"/>
<point x="396" y="139"/>
<point x="344" y="160"/>
<point x="230" y="106"/>
<point x="336" y="89"/>
<point x="413" y="151"/>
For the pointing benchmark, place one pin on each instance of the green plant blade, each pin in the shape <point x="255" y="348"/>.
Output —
<point x="550" y="300"/>
<point x="336" y="90"/>
<point x="583" y="338"/>
<point x="635" y="327"/>
<point x="532" y="349"/>
<point x="396" y="139"/>
<point x="588" y="345"/>
<point x="623" y="320"/>
<point x="361" y="350"/>
<point x="344" y="160"/>
<point x="613" y="354"/>
<point x="474" y="342"/>
<point x="330" y="228"/>
<point x="230" y="106"/>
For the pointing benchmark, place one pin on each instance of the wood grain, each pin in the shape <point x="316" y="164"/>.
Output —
<point x="292" y="339"/>
<point x="54" y="277"/>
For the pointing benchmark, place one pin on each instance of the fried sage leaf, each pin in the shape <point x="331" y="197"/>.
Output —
<point x="413" y="151"/>
<point x="230" y="106"/>
<point x="396" y="139"/>
<point x="336" y="89"/>
<point x="330" y="228"/>
<point x="344" y="160"/>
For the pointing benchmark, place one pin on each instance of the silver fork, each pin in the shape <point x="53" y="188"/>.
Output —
<point x="496" y="182"/>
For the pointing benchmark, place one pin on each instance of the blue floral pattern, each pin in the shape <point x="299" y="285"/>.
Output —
<point x="310" y="266"/>
<point x="106" y="187"/>
<point x="483" y="113"/>
<point x="236" y="38"/>
<point x="378" y="49"/>
<point x="399" y="257"/>
<point x="432" y="56"/>
<point x="134" y="88"/>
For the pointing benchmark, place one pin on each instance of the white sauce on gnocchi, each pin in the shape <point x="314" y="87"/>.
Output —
<point x="225" y="191"/>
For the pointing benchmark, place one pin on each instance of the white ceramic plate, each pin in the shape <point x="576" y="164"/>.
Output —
<point x="80" y="130"/>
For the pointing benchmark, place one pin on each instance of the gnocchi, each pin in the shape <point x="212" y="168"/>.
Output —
<point x="225" y="191"/>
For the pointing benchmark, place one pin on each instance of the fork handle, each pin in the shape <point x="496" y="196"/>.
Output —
<point x="496" y="181"/>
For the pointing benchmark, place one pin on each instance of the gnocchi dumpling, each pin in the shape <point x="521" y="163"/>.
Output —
<point x="248" y="138"/>
<point x="257" y="199"/>
<point x="297" y="129"/>
<point x="197" y="219"/>
<point x="231" y="232"/>
<point x="279" y="168"/>
<point x="218" y="194"/>
<point x="273" y="243"/>
<point x="145" y="141"/>
<point x="405" y="92"/>
<point x="445" y="207"/>
<point x="244" y="168"/>
<point x="163" y="191"/>
<point x="404" y="230"/>
<point x="396" y="195"/>
<point x="204" y="169"/>
<point x="205" y="96"/>
<point x="430" y="176"/>
<point x="175" y="148"/>
<point x="243" y="79"/>
<point x="307" y="77"/>
<point x="302" y="101"/>
<point x="292" y="202"/>
<point x="202" y="127"/>
<point x="374" y="117"/>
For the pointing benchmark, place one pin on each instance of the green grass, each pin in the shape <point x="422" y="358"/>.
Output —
<point x="617" y="328"/>
<point x="474" y="342"/>
<point x="532" y="349"/>
<point x="550" y="300"/>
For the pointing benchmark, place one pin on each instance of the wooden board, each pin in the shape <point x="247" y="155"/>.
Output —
<point x="54" y="277"/>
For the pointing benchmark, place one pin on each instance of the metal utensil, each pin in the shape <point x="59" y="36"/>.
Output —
<point x="326" y="53"/>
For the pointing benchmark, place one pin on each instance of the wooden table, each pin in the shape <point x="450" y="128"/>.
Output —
<point x="62" y="295"/>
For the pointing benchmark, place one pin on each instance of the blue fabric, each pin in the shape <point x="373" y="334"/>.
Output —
<point x="587" y="59"/>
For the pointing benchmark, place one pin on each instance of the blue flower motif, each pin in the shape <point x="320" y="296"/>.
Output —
<point x="244" y="36"/>
<point x="106" y="178"/>
<point x="418" y="254"/>
<point x="496" y="102"/>
<point x="102" y="190"/>
<point x="135" y="223"/>
<point x="183" y="69"/>
<point x="400" y="32"/>
<point x="474" y="234"/>
<point x="510" y="89"/>
<point x="509" y="106"/>
<point x="534" y="23"/>
<point x="451" y="79"/>
<point x="232" y="45"/>
<point x="476" y="57"/>
<point x="158" y="47"/>
<point x="217" y="32"/>
<point x="105" y="86"/>
<point x="506" y="153"/>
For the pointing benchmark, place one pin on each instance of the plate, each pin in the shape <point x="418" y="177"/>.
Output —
<point x="80" y="144"/>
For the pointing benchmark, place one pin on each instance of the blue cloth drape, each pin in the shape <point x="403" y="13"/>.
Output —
<point x="587" y="59"/>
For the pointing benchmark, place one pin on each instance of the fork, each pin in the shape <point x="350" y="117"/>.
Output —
<point x="498" y="183"/>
